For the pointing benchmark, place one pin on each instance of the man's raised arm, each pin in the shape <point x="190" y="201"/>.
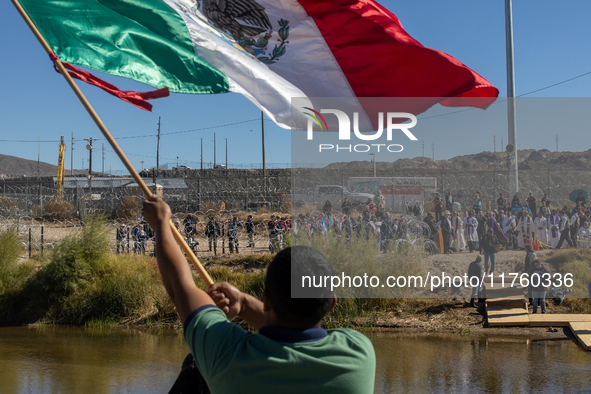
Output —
<point x="175" y="272"/>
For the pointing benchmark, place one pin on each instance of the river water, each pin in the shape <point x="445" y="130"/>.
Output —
<point x="77" y="360"/>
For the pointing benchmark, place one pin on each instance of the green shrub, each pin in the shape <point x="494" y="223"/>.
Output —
<point x="10" y="248"/>
<point x="73" y="261"/>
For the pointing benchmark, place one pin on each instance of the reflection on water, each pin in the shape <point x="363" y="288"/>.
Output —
<point x="77" y="360"/>
<point x="451" y="363"/>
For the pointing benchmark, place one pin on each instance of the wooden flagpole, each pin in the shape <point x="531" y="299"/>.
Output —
<point x="134" y="174"/>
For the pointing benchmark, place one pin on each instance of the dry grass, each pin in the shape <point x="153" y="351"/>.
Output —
<point x="307" y="209"/>
<point x="213" y="206"/>
<point x="576" y="262"/>
<point x="7" y="204"/>
<point x="56" y="210"/>
<point x="131" y="207"/>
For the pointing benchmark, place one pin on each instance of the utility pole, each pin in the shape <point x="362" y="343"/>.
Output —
<point x="263" y="143"/>
<point x="226" y="152"/>
<point x="142" y="163"/>
<point x="423" y="151"/>
<point x="72" y="157"/>
<point x="201" y="153"/>
<point x="556" y="142"/>
<point x="495" y="144"/>
<point x="157" y="154"/>
<point x="38" y="155"/>
<point x="39" y="167"/>
<point x="214" y="158"/>
<point x="512" y="121"/>
<point x="103" y="171"/>
<point x="433" y="149"/>
<point x="89" y="147"/>
<point x="502" y="146"/>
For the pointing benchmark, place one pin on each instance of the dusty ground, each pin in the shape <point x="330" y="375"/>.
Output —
<point x="507" y="261"/>
<point x="456" y="316"/>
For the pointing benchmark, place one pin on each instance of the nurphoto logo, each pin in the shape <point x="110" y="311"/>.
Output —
<point x="344" y="130"/>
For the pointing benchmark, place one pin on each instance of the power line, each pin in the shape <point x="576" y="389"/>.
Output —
<point x="556" y="84"/>
<point x="504" y="100"/>
<point x="151" y="135"/>
<point x="35" y="141"/>
<point x="268" y="120"/>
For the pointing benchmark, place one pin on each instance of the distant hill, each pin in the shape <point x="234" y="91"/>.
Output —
<point x="11" y="166"/>
<point x="528" y="159"/>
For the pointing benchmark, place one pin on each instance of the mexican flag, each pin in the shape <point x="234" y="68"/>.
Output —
<point x="268" y="50"/>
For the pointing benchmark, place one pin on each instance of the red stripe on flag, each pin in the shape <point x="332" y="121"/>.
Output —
<point x="130" y="96"/>
<point x="380" y="59"/>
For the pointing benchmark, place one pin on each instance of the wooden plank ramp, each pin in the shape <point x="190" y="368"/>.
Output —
<point x="509" y="310"/>
<point x="582" y="331"/>
<point x="506" y="302"/>
<point x="559" y="320"/>
<point x="507" y="317"/>
<point x="505" y="292"/>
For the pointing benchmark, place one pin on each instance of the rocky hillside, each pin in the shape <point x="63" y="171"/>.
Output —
<point x="528" y="159"/>
<point x="12" y="167"/>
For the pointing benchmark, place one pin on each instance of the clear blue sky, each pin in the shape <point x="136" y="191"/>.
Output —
<point x="552" y="43"/>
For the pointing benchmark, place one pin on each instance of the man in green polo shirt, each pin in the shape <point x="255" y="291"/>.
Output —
<point x="291" y="353"/>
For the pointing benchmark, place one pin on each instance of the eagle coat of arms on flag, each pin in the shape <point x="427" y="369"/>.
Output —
<point x="244" y="24"/>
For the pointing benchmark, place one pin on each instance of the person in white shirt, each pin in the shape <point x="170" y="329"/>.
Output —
<point x="525" y="226"/>
<point x="381" y="201"/>
<point x="457" y="233"/>
<point x="585" y="236"/>
<point x="541" y="226"/>
<point x="564" y="230"/>
<point x="471" y="226"/>
<point x="509" y="228"/>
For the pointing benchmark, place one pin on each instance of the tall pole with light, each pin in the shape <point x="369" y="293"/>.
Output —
<point x="374" y="163"/>
<point x="263" y="144"/>
<point x="226" y="152"/>
<point x="512" y="121"/>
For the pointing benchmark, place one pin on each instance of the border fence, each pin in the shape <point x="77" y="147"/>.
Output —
<point x="30" y="203"/>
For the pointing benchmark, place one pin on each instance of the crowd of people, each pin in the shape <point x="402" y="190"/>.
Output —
<point x="218" y="232"/>
<point x="137" y="239"/>
<point x="514" y="224"/>
<point x="371" y="222"/>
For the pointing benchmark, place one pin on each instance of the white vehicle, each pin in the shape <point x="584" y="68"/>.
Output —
<point x="397" y="191"/>
<point x="335" y="194"/>
<point x="181" y="168"/>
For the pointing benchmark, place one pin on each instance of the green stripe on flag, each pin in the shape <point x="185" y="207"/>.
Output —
<point x="142" y="40"/>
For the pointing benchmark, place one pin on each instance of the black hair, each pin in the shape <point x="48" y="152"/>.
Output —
<point x="298" y="261"/>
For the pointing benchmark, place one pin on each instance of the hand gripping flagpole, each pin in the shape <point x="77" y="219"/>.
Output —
<point x="134" y="174"/>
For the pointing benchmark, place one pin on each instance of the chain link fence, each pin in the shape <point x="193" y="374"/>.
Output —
<point x="463" y="184"/>
<point x="42" y="220"/>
